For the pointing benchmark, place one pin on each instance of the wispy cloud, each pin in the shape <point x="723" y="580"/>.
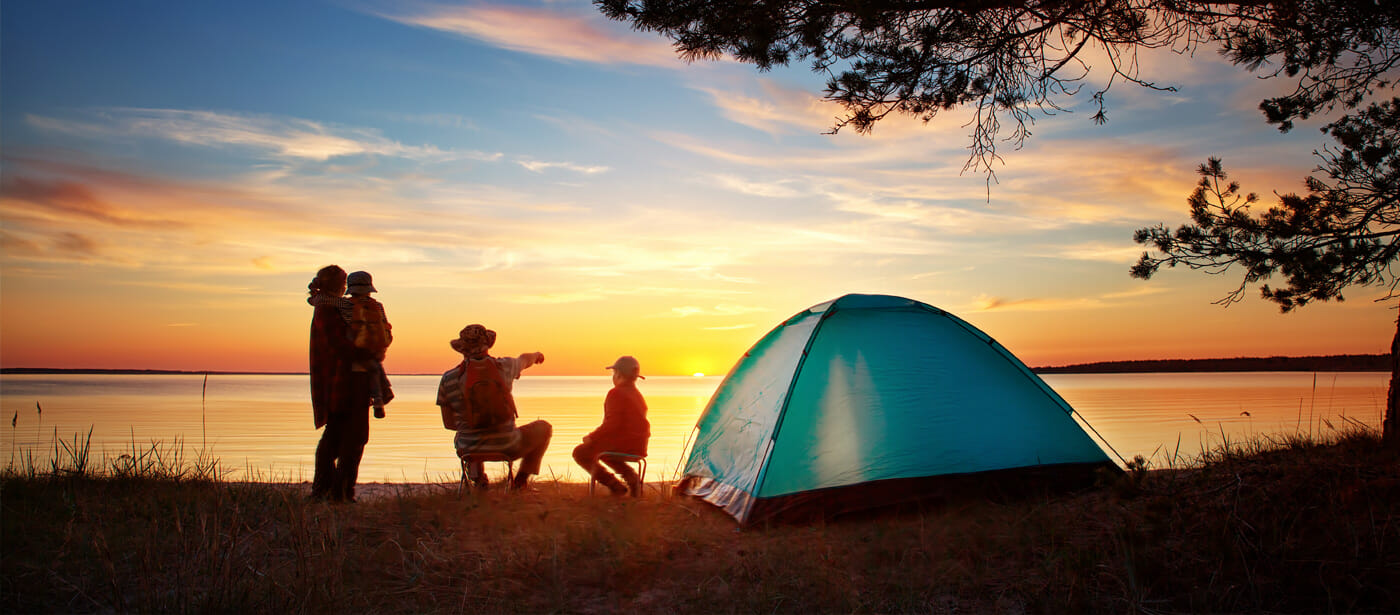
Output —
<point x="784" y="110"/>
<point x="945" y="217"/>
<point x="917" y="152"/>
<point x="60" y="199"/>
<point x="1067" y="175"/>
<point x="58" y="210"/>
<point x="76" y="244"/>
<point x="1141" y="291"/>
<point x="783" y="188"/>
<point x="583" y="127"/>
<point x="580" y="295"/>
<point x="280" y="137"/>
<point x="557" y="298"/>
<point x="686" y="311"/>
<point x="438" y="120"/>
<point x="916" y="177"/>
<point x="539" y="166"/>
<point x="584" y="36"/>
<point x="777" y="111"/>
<point x="988" y="303"/>
<point x="1123" y="252"/>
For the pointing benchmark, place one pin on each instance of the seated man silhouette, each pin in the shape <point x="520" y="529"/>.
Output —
<point x="477" y="403"/>
<point x="625" y="429"/>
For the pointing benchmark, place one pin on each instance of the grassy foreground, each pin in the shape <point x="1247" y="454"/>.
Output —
<point x="1286" y="526"/>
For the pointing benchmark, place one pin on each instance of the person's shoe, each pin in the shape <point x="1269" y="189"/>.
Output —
<point x="634" y="486"/>
<point x="618" y="489"/>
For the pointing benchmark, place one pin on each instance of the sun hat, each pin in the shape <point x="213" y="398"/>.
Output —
<point x="360" y="282"/>
<point x="627" y="364"/>
<point x="474" y="340"/>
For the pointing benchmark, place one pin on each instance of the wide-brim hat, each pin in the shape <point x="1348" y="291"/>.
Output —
<point x="627" y="364"/>
<point x="473" y="340"/>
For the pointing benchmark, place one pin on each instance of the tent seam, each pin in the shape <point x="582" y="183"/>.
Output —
<point x="787" y="395"/>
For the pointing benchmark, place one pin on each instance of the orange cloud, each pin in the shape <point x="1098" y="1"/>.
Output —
<point x="76" y="244"/>
<point x="784" y="110"/>
<point x="585" y="37"/>
<point x="60" y="200"/>
<point x="1112" y="299"/>
<point x="1122" y="252"/>
<point x="779" y="111"/>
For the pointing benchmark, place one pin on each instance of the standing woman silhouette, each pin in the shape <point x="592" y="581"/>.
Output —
<point x="339" y="400"/>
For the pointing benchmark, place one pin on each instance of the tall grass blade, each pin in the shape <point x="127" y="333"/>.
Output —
<point x="203" y="422"/>
<point x="1312" y="404"/>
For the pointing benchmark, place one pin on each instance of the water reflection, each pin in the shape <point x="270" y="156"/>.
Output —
<point x="260" y="426"/>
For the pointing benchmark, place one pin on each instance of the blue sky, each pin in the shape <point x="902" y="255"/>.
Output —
<point x="576" y="186"/>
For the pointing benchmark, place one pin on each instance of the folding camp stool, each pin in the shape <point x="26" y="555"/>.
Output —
<point x="638" y="460"/>
<point x="470" y="458"/>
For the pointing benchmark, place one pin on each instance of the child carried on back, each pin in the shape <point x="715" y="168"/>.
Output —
<point x="371" y="333"/>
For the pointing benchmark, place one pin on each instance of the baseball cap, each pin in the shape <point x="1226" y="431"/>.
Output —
<point x="627" y="364"/>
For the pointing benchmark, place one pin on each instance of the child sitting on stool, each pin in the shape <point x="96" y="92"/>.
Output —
<point x="625" y="429"/>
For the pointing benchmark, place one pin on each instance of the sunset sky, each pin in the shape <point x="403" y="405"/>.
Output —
<point x="174" y="173"/>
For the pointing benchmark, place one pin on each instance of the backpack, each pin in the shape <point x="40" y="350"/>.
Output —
<point x="368" y="327"/>
<point x="485" y="399"/>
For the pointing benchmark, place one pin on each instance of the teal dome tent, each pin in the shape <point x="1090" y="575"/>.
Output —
<point x="869" y="400"/>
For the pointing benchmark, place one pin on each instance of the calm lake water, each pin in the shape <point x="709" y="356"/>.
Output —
<point x="260" y="426"/>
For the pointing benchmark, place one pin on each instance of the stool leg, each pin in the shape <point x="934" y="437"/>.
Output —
<point x="469" y="482"/>
<point x="622" y="464"/>
<point x="599" y="474"/>
<point x="474" y="475"/>
<point x="636" y="488"/>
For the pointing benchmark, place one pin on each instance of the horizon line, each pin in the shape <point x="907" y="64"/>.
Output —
<point x="1096" y="365"/>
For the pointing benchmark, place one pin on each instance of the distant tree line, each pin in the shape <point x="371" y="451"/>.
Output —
<point x="1330" y="363"/>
